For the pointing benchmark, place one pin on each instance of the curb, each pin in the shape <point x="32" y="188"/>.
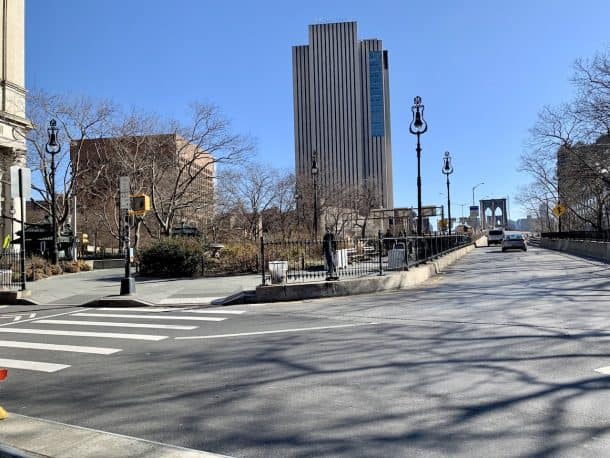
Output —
<point x="118" y="301"/>
<point x="29" y="437"/>
<point x="12" y="452"/>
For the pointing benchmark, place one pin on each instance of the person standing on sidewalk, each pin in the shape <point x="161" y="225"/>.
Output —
<point x="330" y="248"/>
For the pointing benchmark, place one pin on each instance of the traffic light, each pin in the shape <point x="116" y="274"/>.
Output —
<point x="140" y="204"/>
<point x="84" y="239"/>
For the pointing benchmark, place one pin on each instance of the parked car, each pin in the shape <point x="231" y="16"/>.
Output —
<point x="495" y="236"/>
<point x="514" y="242"/>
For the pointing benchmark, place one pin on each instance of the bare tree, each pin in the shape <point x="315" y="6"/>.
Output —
<point x="78" y="119"/>
<point x="247" y="193"/>
<point x="202" y="144"/>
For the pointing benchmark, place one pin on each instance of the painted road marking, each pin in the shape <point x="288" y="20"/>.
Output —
<point x="189" y="300"/>
<point x="142" y="309"/>
<point x="72" y="348"/>
<point x="48" y="316"/>
<point x="217" y="336"/>
<point x="118" y="325"/>
<point x="32" y="315"/>
<point x="603" y="370"/>
<point x="17" y="318"/>
<point x="110" y="335"/>
<point x="164" y="317"/>
<point x="31" y="365"/>
<point x="215" y="311"/>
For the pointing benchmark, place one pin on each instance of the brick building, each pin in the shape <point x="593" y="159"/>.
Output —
<point x="176" y="174"/>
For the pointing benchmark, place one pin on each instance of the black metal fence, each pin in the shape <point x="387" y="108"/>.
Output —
<point x="602" y="236"/>
<point x="10" y="270"/>
<point x="304" y="260"/>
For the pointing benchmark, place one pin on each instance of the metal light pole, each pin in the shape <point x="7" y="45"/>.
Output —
<point x="53" y="147"/>
<point x="12" y="212"/>
<point x="448" y="170"/>
<point x="299" y="205"/>
<point x="473" y="188"/>
<point x="314" y="174"/>
<point x="418" y="126"/>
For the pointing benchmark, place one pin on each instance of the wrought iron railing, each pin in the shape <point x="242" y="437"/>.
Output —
<point x="304" y="260"/>
<point x="10" y="270"/>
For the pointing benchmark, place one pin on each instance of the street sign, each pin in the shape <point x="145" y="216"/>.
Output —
<point x="428" y="211"/>
<point x="26" y="182"/>
<point x="559" y="210"/>
<point x="124" y="198"/>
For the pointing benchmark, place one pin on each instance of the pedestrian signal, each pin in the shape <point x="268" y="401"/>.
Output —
<point x="140" y="204"/>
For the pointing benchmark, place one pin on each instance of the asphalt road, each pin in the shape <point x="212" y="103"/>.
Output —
<point x="495" y="357"/>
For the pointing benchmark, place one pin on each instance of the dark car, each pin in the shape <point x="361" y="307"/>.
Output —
<point x="514" y="242"/>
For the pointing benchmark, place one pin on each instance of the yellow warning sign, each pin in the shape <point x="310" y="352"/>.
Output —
<point x="559" y="210"/>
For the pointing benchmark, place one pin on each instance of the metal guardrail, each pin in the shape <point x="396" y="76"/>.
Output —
<point x="304" y="260"/>
<point x="603" y="236"/>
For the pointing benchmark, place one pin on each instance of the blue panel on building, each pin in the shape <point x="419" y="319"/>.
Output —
<point x="376" y="94"/>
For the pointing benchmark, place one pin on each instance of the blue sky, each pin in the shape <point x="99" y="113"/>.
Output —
<point x="484" y="68"/>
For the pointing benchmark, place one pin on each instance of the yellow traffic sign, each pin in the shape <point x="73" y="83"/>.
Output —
<point x="559" y="210"/>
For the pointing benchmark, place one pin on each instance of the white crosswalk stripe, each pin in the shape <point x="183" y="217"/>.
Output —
<point x="119" y="325"/>
<point x="152" y="317"/>
<point x="129" y="317"/>
<point x="55" y="347"/>
<point x="31" y="365"/>
<point x="109" y="335"/>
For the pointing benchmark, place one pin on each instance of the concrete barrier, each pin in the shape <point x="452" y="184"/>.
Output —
<point x="587" y="248"/>
<point x="362" y="285"/>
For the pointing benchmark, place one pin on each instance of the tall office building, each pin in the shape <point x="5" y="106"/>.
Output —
<point x="342" y="109"/>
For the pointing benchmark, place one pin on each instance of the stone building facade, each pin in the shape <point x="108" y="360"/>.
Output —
<point x="13" y="121"/>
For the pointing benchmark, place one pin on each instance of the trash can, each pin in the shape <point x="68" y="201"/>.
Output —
<point x="278" y="271"/>
<point x="341" y="258"/>
<point x="396" y="257"/>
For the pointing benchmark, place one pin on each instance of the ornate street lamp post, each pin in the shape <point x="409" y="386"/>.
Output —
<point x="299" y="206"/>
<point x="314" y="174"/>
<point x="418" y="126"/>
<point x="448" y="170"/>
<point x="53" y="147"/>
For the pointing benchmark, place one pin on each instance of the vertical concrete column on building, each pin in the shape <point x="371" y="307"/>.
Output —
<point x="10" y="157"/>
<point x="13" y="123"/>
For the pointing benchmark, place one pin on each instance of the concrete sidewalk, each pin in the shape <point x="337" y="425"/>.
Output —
<point x="22" y="436"/>
<point x="85" y="287"/>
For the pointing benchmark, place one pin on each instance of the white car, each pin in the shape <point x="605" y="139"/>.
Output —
<point x="495" y="236"/>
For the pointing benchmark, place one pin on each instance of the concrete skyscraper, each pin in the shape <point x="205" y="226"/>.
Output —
<point x="342" y="109"/>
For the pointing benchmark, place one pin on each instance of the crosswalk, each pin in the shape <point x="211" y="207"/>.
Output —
<point x="44" y="348"/>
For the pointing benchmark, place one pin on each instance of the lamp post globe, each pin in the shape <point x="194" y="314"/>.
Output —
<point x="418" y="127"/>
<point x="53" y="147"/>
<point x="448" y="170"/>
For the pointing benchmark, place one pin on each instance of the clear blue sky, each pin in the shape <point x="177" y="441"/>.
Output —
<point x="484" y="68"/>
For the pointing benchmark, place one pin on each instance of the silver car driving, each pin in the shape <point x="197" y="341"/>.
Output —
<point x="514" y="242"/>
